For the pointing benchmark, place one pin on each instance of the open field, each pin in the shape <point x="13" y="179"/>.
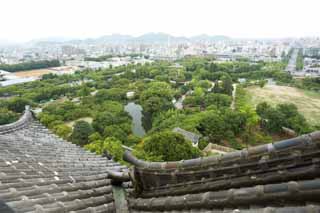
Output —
<point x="33" y="73"/>
<point x="40" y="72"/>
<point x="308" y="102"/>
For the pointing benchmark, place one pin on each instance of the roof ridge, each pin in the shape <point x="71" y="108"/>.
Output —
<point x="19" y="124"/>
<point x="297" y="142"/>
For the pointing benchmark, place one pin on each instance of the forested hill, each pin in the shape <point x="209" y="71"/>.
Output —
<point x="29" y="65"/>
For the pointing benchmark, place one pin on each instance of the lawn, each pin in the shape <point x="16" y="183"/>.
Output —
<point x="308" y="102"/>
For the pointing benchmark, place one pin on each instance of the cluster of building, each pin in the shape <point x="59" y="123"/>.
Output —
<point x="112" y="62"/>
<point x="226" y="49"/>
<point x="77" y="55"/>
<point x="311" y="67"/>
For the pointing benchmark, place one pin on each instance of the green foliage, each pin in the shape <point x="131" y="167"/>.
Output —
<point x="218" y="100"/>
<point x="62" y="111"/>
<point x="118" y="131"/>
<point x="84" y="91"/>
<point x="310" y="84"/>
<point x="49" y="76"/>
<point x="262" y="83"/>
<point x="157" y="97"/>
<point x="300" y="62"/>
<point x="105" y="119"/>
<point x="63" y="131"/>
<point x="218" y="126"/>
<point x="29" y="65"/>
<point x="111" y="106"/>
<point x="167" y="146"/>
<point x="110" y="145"/>
<point x="193" y="100"/>
<point x="16" y="104"/>
<point x="132" y="140"/>
<point x="167" y="120"/>
<point x="226" y="87"/>
<point x="203" y="143"/>
<point x="213" y="126"/>
<point x="7" y="116"/>
<point x="48" y="119"/>
<point x="81" y="132"/>
<point x="205" y="112"/>
<point x="114" y="94"/>
<point x="283" y="115"/>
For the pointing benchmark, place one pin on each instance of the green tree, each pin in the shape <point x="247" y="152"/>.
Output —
<point x="104" y="119"/>
<point x="117" y="131"/>
<point x="218" y="100"/>
<point x="283" y="115"/>
<point x="213" y="126"/>
<point x="216" y="87"/>
<point x="262" y="83"/>
<point x="262" y="109"/>
<point x="84" y="91"/>
<point x="17" y="104"/>
<point x="157" y="97"/>
<point x="81" y="132"/>
<point x="62" y="130"/>
<point x="110" y="145"/>
<point x="7" y="116"/>
<point x="226" y="86"/>
<point x="168" y="146"/>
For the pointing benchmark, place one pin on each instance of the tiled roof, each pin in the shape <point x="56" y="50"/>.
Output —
<point x="194" y="138"/>
<point x="40" y="172"/>
<point x="277" y="177"/>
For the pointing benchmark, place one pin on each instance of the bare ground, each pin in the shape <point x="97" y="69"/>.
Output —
<point x="308" y="102"/>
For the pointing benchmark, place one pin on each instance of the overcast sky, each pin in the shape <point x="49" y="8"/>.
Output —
<point x="22" y="20"/>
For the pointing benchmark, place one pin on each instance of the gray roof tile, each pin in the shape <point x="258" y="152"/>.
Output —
<point x="40" y="172"/>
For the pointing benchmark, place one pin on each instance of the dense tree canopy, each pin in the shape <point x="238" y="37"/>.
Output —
<point x="7" y="116"/>
<point x="81" y="132"/>
<point x="157" y="97"/>
<point x="167" y="146"/>
<point x="109" y="146"/>
<point x="29" y="65"/>
<point x="283" y="115"/>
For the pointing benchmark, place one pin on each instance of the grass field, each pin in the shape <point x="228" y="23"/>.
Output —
<point x="308" y="102"/>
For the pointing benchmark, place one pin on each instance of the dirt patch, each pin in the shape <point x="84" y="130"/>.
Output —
<point x="40" y="72"/>
<point x="32" y="73"/>
<point x="308" y="103"/>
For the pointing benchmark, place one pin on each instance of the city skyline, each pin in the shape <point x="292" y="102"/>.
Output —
<point x="24" y="21"/>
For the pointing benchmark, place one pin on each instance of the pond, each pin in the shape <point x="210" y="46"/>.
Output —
<point x="135" y="111"/>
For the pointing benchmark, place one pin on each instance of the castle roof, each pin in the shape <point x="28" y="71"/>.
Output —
<point x="40" y="172"/>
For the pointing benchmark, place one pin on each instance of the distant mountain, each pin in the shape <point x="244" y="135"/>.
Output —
<point x="53" y="39"/>
<point x="160" y="38"/>
<point x="209" y="38"/>
<point x="114" y="38"/>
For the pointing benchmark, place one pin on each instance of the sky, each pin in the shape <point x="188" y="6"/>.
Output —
<point x="23" y="20"/>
